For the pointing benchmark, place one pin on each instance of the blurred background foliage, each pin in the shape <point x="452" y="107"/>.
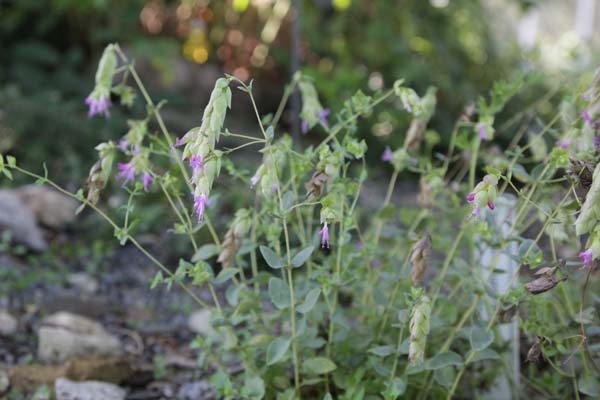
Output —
<point x="50" y="49"/>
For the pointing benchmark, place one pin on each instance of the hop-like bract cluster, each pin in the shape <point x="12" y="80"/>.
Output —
<point x="419" y="329"/>
<point x="588" y="220"/>
<point x="484" y="194"/>
<point x="99" y="100"/>
<point x="199" y="150"/>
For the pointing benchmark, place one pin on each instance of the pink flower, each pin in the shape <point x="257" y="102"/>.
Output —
<point x="196" y="164"/>
<point x="470" y="197"/>
<point x="200" y="203"/>
<point x="586" y="256"/>
<point x="482" y="131"/>
<point x="147" y="180"/>
<point x="324" y="235"/>
<point x="98" y="106"/>
<point x="323" y="117"/>
<point x="126" y="172"/>
<point x="387" y="154"/>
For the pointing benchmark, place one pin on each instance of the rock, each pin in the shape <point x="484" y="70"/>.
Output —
<point x="90" y="390"/>
<point x="50" y="207"/>
<point x="199" y="322"/>
<point x="4" y="382"/>
<point x="196" y="390"/>
<point x="8" y="324"/>
<point x="84" y="282"/>
<point x="64" y="335"/>
<point x="20" y="221"/>
<point x="96" y="368"/>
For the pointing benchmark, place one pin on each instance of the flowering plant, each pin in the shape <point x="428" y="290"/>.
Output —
<point x="327" y="296"/>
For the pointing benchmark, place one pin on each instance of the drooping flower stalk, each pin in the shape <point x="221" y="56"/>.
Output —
<point x="99" y="100"/>
<point x="200" y="143"/>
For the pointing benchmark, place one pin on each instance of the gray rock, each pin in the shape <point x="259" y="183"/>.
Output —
<point x="20" y="221"/>
<point x="84" y="282"/>
<point x="8" y="324"/>
<point x="89" y="390"/>
<point x="50" y="207"/>
<point x="64" y="335"/>
<point x="196" y="390"/>
<point x="199" y="322"/>
<point x="4" y="382"/>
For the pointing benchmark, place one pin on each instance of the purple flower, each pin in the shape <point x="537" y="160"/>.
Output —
<point x="596" y="142"/>
<point x="491" y="205"/>
<point x="475" y="211"/>
<point x="98" y="106"/>
<point x="178" y="142"/>
<point x="387" y="154"/>
<point x="200" y="203"/>
<point x="123" y="144"/>
<point x="563" y="143"/>
<point x="196" y="164"/>
<point x="304" y="126"/>
<point x="586" y="117"/>
<point x="586" y="256"/>
<point x="126" y="172"/>
<point x="254" y="180"/>
<point x="470" y="197"/>
<point x="407" y="107"/>
<point x="147" y="180"/>
<point x="323" y="117"/>
<point x="274" y="188"/>
<point x="482" y="131"/>
<point x="324" y="235"/>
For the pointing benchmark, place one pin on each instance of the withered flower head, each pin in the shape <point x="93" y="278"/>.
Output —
<point x="419" y="257"/>
<point x="535" y="354"/>
<point x="545" y="282"/>
<point x="316" y="185"/>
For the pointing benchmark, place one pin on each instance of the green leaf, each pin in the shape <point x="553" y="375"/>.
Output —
<point x="271" y="257"/>
<point x="445" y="376"/>
<point x="158" y="278"/>
<point x="318" y="365"/>
<point x="287" y="200"/>
<point x="382" y="351"/>
<point x="7" y="173"/>
<point x="480" y="338"/>
<point x="279" y="293"/>
<point x="205" y="252"/>
<point x="589" y="385"/>
<point x="445" y="359"/>
<point x="309" y="301"/>
<point x="254" y="388"/>
<point x="303" y="255"/>
<point x="485" y="354"/>
<point x="277" y="349"/>
<point x="12" y="162"/>
<point x="226" y="274"/>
